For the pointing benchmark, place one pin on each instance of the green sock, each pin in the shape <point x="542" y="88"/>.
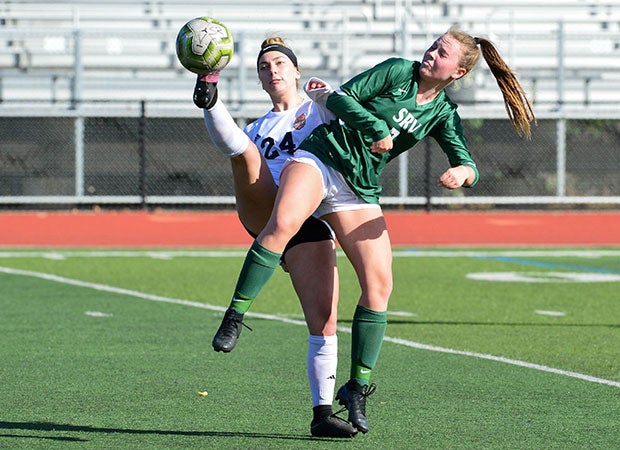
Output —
<point x="366" y="338"/>
<point x="258" y="267"/>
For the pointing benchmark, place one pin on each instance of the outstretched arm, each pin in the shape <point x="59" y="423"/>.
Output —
<point x="319" y="91"/>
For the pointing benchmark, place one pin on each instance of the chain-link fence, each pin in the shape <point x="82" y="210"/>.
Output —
<point x="169" y="159"/>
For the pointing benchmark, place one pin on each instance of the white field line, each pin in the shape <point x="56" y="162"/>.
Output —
<point x="159" y="298"/>
<point x="501" y="359"/>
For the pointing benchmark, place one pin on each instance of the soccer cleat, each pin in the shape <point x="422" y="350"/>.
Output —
<point x="332" y="426"/>
<point x="205" y="91"/>
<point x="226" y="337"/>
<point x="352" y="396"/>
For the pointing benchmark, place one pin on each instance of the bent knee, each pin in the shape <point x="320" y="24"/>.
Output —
<point x="284" y="226"/>
<point x="378" y="290"/>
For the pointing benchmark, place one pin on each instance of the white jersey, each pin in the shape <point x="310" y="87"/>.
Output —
<point x="279" y="134"/>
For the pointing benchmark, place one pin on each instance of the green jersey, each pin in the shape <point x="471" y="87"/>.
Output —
<point x="374" y="104"/>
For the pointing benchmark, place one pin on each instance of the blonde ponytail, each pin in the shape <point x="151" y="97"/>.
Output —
<point x="518" y="107"/>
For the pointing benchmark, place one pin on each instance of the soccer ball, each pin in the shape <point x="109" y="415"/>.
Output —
<point x="204" y="45"/>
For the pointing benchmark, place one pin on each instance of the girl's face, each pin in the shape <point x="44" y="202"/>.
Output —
<point x="441" y="62"/>
<point x="277" y="73"/>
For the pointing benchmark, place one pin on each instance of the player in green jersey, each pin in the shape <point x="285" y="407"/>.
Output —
<point x="383" y="112"/>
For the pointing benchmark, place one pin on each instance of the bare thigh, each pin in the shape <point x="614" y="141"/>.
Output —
<point x="255" y="189"/>
<point x="300" y="193"/>
<point x="363" y="236"/>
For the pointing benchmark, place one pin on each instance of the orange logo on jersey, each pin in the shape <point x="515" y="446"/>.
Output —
<point x="300" y="122"/>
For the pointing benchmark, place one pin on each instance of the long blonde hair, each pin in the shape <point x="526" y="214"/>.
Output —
<point x="517" y="105"/>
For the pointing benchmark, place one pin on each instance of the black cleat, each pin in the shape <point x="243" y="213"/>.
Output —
<point x="226" y="337"/>
<point x="352" y="396"/>
<point x="332" y="426"/>
<point x="205" y="93"/>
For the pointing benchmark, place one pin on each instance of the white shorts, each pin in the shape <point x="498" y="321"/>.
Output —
<point x="337" y="195"/>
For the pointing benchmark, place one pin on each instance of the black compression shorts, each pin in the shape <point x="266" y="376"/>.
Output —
<point x="312" y="230"/>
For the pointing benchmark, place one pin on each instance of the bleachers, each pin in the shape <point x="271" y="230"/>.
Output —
<point x="125" y="50"/>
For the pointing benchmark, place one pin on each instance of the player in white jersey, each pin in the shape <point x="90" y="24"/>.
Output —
<point x="257" y="155"/>
<point x="278" y="133"/>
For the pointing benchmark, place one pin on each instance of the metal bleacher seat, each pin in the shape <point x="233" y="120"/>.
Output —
<point x="127" y="49"/>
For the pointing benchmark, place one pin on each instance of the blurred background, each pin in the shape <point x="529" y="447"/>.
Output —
<point x="96" y="111"/>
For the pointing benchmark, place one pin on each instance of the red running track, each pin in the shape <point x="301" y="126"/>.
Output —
<point x="222" y="229"/>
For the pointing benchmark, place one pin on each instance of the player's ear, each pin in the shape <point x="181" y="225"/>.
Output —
<point x="459" y="73"/>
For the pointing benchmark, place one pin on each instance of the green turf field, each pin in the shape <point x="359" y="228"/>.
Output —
<point x="484" y="349"/>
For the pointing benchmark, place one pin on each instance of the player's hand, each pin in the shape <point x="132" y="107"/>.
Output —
<point x="315" y="83"/>
<point x="319" y="91"/>
<point x="382" y="145"/>
<point x="455" y="177"/>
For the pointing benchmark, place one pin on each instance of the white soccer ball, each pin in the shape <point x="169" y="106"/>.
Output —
<point x="204" y="45"/>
